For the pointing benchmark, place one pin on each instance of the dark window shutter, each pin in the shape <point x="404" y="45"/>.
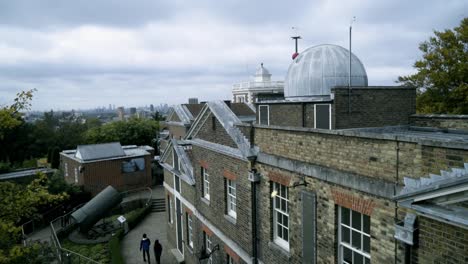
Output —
<point x="322" y="116"/>
<point x="263" y="114"/>
<point x="309" y="245"/>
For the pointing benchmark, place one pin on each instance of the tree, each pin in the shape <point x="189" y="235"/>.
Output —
<point x="10" y="116"/>
<point x="135" y="131"/>
<point x="20" y="203"/>
<point x="442" y="77"/>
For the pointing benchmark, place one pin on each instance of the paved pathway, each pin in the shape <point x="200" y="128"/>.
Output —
<point x="154" y="226"/>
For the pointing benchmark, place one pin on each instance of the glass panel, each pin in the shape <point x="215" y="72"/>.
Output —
<point x="283" y="205"/>
<point x="367" y="261"/>
<point x="366" y="224"/>
<point x="285" y="237"/>
<point x="345" y="216"/>
<point x="366" y="243"/>
<point x="347" y="255"/>
<point x="279" y="217"/>
<point x="345" y="234"/>
<point x="277" y="202"/>
<point x="358" y="259"/>
<point x="356" y="239"/>
<point x="356" y="221"/>
<point x="285" y="220"/>
<point x="280" y="231"/>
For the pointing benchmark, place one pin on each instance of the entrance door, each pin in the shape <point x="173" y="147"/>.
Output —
<point x="179" y="226"/>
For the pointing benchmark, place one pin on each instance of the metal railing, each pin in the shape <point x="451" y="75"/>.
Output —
<point x="64" y="222"/>
<point x="138" y="194"/>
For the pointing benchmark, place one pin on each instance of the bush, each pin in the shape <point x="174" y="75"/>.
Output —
<point x="114" y="248"/>
<point x="97" y="252"/>
<point x="136" y="216"/>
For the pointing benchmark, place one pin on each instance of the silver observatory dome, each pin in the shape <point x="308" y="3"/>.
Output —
<point x="319" y="68"/>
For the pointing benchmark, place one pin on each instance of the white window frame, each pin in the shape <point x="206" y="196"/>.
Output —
<point x="66" y="169"/>
<point x="260" y="112"/>
<point x="329" y="116"/>
<point x="206" y="184"/>
<point x="231" y="189"/>
<point x="281" y="195"/>
<point x="76" y="175"/>
<point x="208" y="245"/>
<point x="171" y="219"/>
<point x="353" y="230"/>
<point x="230" y="260"/>
<point x="190" y="230"/>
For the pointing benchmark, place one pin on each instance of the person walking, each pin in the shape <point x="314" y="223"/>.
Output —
<point x="157" y="251"/>
<point x="145" y="246"/>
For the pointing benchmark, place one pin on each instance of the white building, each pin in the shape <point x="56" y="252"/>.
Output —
<point x="260" y="89"/>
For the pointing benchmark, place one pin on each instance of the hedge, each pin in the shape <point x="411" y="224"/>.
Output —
<point x="133" y="219"/>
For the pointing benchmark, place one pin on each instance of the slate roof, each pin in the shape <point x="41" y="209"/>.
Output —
<point x="242" y="109"/>
<point x="99" y="151"/>
<point x="443" y="197"/>
<point x="194" y="109"/>
<point x="228" y="120"/>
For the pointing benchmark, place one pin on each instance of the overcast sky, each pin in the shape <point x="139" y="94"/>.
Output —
<point x="84" y="54"/>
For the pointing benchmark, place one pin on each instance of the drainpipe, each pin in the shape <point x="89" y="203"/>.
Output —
<point x="397" y="167"/>
<point x="303" y="115"/>
<point x="254" y="222"/>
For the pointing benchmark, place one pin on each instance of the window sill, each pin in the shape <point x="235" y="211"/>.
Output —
<point x="282" y="250"/>
<point x="205" y="200"/>
<point x="189" y="249"/>
<point x="230" y="219"/>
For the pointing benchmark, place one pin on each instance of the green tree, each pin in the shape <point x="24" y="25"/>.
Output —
<point x="135" y="131"/>
<point x="10" y="116"/>
<point x="18" y="204"/>
<point x="442" y="73"/>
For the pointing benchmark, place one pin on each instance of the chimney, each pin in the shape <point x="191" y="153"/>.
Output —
<point x="193" y="100"/>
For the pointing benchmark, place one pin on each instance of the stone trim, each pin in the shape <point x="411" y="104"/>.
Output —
<point x="231" y="253"/>
<point x="187" y="210"/>
<point x="204" y="164"/>
<point x="229" y="175"/>
<point x="207" y="230"/>
<point x="280" y="178"/>
<point x="361" y="183"/>
<point x="353" y="202"/>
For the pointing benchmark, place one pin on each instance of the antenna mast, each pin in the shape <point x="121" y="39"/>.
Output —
<point x="349" y="75"/>
<point x="296" y="39"/>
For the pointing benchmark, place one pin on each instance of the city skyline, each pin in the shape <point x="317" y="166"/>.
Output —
<point x="83" y="55"/>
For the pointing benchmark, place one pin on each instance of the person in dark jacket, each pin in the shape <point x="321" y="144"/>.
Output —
<point x="157" y="251"/>
<point x="145" y="246"/>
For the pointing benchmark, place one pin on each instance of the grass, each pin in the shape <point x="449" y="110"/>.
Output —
<point x="97" y="252"/>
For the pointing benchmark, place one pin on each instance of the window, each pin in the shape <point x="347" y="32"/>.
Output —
<point x="322" y="116"/>
<point x="206" y="184"/>
<point x="213" y="122"/>
<point x="231" y="198"/>
<point x="66" y="169"/>
<point x="281" y="215"/>
<point x="208" y="246"/>
<point x="264" y="115"/>
<point x="76" y="175"/>
<point x="353" y="236"/>
<point x="137" y="164"/>
<point x="189" y="230"/>
<point x="229" y="259"/>
<point x="169" y="209"/>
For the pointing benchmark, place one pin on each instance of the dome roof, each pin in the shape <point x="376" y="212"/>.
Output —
<point x="317" y="69"/>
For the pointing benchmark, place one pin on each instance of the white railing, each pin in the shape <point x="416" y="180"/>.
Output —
<point x="259" y="85"/>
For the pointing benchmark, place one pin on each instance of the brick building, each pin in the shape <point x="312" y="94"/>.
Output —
<point x="96" y="166"/>
<point x="330" y="174"/>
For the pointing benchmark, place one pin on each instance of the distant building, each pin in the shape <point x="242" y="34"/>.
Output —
<point x="151" y="108"/>
<point x="193" y="100"/>
<point x="96" y="166"/>
<point x="133" y="111"/>
<point x="260" y="89"/>
<point x="121" y="112"/>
